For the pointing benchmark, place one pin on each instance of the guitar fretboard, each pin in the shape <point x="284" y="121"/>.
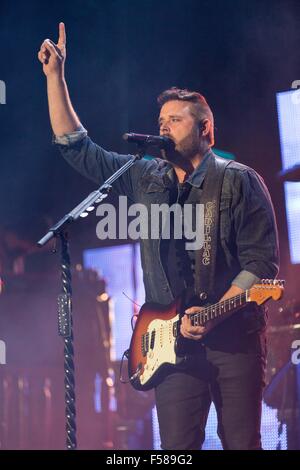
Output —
<point x="220" y="308"/>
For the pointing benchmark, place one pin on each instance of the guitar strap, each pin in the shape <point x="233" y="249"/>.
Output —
<point x="205" y="258"/>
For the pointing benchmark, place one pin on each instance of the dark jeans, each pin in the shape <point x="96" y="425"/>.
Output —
<point x="232" y="376"/>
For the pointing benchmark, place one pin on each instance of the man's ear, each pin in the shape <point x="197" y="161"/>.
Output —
<point x="204" y="127"/>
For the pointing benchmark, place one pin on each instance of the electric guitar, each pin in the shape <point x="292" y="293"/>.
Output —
<point x="157" y="343"/>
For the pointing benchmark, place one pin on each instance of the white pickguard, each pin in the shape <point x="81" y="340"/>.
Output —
<point x="164" y="347"/>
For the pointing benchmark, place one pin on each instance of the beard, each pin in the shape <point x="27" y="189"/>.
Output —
<point x="189" y="146"/>
<point x="186" y="150"/>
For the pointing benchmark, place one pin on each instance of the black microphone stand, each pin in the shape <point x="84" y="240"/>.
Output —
<point x="65" y="321"/>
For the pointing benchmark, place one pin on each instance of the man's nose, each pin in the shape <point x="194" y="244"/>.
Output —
<point x="165" y="129"/>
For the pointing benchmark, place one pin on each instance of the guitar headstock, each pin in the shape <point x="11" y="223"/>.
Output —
<point x="266" y="289"/>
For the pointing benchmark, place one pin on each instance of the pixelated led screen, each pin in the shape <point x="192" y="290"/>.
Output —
<point x="288" y="106"/>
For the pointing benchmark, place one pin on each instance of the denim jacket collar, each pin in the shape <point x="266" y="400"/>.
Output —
<point x="164" y="176"/>
<point x="196" y="178"/>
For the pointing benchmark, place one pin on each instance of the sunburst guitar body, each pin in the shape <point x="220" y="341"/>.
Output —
<point x="157" y="343"/>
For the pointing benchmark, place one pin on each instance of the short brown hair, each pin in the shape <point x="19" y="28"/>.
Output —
<point x="199" y="109"/>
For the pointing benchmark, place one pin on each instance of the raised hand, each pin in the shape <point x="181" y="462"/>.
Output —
<point x="52" y="55"/>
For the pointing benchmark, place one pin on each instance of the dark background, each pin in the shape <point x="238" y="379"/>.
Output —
<point x="121" y="55"/>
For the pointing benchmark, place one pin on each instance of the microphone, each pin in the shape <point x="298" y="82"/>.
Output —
<point x="150" y="140"/>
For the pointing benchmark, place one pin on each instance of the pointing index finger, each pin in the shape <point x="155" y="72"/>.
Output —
<point x="62" y="35"/>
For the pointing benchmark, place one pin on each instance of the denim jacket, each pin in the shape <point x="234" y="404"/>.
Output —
<point x="248" y="241"/>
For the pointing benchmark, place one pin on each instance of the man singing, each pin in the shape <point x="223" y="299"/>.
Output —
<point x="228" y="364"/>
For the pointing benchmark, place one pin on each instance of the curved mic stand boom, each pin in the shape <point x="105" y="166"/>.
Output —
<point x="65" y="323"/>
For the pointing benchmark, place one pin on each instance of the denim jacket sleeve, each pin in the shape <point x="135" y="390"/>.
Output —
<point x="255" y="226"/>
<point x="97" y="164"/>
<point x="71" y="137"/>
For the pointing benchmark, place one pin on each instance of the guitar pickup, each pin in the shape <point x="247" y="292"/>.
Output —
<point x="152" y="340"/>
<point x="175" y="329"/>
<point x="145" y="344"/>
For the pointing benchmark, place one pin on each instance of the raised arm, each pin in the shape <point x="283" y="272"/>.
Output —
<point x="53" y="56"/>
<point x="91" y="160"/>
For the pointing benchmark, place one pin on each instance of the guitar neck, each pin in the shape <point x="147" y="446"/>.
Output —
<point x="259" y="293"/>
<point x="220" y="308"/>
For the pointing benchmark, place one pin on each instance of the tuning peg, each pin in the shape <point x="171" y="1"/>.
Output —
<point x="272" y="282"/>
<point x="279" y="282"/>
